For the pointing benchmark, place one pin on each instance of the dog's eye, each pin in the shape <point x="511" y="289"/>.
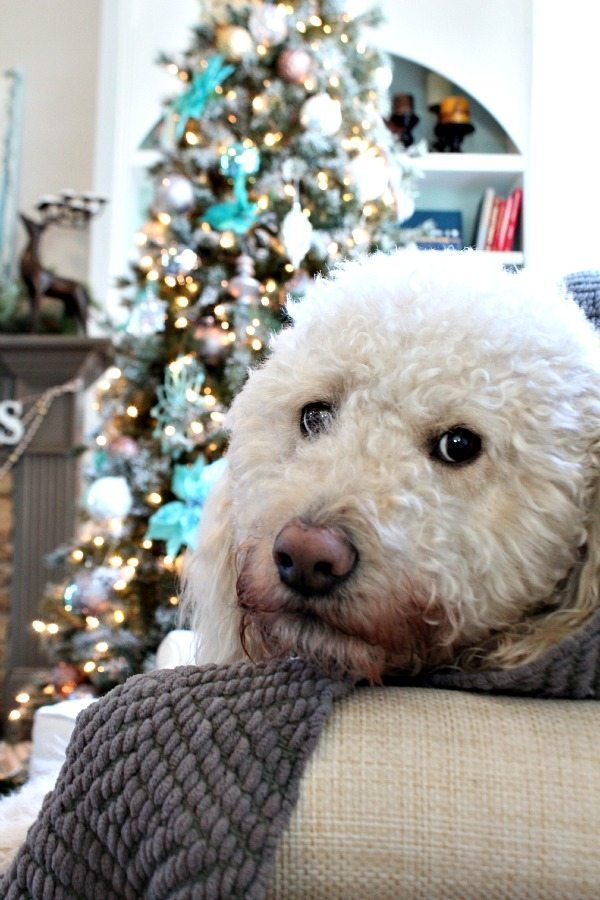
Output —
<point x="316" y="418"/>
<point x="459" y="445"/>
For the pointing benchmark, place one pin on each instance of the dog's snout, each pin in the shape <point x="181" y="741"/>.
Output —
<point x="313" y="559"/>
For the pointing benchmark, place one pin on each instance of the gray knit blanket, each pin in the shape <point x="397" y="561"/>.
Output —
<point x="178" y="784"/>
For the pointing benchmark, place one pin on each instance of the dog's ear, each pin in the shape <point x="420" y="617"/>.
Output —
<point x="208" y="595"/>
<point x="579" y="598"/>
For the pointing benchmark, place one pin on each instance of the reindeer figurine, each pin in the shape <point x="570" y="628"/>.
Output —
<point x="74" y="211"/>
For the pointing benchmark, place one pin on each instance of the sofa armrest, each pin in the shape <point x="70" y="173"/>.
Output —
<point x="422" y="793"/>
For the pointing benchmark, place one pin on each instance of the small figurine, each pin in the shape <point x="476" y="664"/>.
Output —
<point x="453" y="123"/>
<point x="75" y="211"/>
<point x="403" y="118"/>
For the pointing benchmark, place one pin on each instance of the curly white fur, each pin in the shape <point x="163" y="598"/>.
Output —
<point x="485" y="563"/>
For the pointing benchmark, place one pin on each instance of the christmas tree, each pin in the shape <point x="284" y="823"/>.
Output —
<point x="275" y="163"/>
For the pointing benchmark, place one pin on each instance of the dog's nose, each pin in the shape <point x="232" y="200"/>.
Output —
<point x="313" y="559"/>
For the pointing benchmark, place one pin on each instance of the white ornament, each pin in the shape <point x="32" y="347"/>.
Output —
<point x="322" y="113"/>
<point x="405" y="205"/>
<point x="268" y="24"/>
<point x="370" y="175"/>
<point x="296" y="234"/>
<point x="147" y="316"/>
<point x="382" y="77"/>
<point x="109" y="498"/>
<point x="175" y="193"/>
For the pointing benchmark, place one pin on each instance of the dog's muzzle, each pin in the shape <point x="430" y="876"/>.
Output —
<point x="313" y="560"/>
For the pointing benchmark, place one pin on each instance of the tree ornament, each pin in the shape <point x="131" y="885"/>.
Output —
<point x="296" y="234"/>
<point x="124" y="446"/>
<point x="294" y="65"/>
<point x="190" y="104"/>
<point x="370" y="175"/>
<point x="234" y="42"/>
<point x="244" y="286"/>
<point x="109" y="498"/>
<point x="177" y="522"/>
<point x="212" y="342"/>
<point x="180" y="403"/>
<point x="147" y="316"/>
<point x="91" y="590"/>
<point x="268" y="24"/>
<point x="175" y="193"/>
<point x="322" y="114"/>
<point x="405" y="205"/>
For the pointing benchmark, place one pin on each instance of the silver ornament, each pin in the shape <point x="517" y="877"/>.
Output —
<point x="296" y="234"/>
<point x="294" y="65"/>
<point x="268" y="24"/>
<point x="175" y="193"/>
<point x="370" y="175"/>
<point x="244" y="286"/>
<point x="147" y="316"/>
<point x="109" y="498"/>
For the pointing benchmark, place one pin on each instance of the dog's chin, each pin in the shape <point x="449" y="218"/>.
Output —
<point x="343" y="632"/>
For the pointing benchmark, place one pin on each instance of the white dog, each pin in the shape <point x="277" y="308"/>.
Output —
<point x="413" y="476"/>
<point x="413" y="480"/>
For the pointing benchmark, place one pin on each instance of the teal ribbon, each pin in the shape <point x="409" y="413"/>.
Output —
<point x="190" y="104"/>
<point x="236" y="215"/>
<point x="176" y="522"/>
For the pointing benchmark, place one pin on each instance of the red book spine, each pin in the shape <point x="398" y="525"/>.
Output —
<point x="489" y="240"/>
<point x="500" y="243"/>
<point x="515" y="209"/>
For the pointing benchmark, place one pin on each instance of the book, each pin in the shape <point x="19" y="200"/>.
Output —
<point x="483" y="222"/>
<point x="493" y="224"/>
<point x="436" y="229"/>
<point x="515" y="209"/>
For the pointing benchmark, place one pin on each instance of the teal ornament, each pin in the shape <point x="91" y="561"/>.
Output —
<point x="191" y="104"/>
<point x="238" y="215"/>
<point x="176" y="523"/>
<point x="179" y="401"/>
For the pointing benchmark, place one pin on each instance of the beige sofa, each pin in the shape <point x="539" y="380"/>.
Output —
<point x="431" y="794"/>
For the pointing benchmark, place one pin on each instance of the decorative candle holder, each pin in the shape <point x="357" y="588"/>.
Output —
<point x="403" y="118"/>
<point x="453" y="124"/>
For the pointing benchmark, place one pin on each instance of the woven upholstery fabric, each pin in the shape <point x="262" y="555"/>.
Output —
<point x="585" y="289"/>
<point x="177" y="785"/>
<point x="425" y="794"/>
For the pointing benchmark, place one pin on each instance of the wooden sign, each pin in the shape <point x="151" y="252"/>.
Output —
<point x="12" y="429"/>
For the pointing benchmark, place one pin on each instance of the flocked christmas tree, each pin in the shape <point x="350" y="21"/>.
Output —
<point x="275" y="164"/>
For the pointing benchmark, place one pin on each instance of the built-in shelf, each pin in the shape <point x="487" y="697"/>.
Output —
<point x="470" y="171"/>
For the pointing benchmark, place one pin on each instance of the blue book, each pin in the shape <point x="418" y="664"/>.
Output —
<point x="436" y="229"/>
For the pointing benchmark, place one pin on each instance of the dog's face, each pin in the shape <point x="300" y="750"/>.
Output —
<point x="410" y="472"/>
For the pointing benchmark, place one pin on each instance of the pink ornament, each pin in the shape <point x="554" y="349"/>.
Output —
<point x="123" y="446"/>
<point x="294" y="65"/>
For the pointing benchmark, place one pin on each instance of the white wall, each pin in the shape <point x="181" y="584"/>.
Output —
<point x="131" y="87"/>
<point x="562" y="188"/>
<point x="55" y="43"/>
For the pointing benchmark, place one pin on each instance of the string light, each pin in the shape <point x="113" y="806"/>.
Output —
<point x="77" y="555"/>
<point x="89" y="666"/>
<point x="92" y="622"/>
<point x="38" y="626"/>
<point x="23" y="697"/>
<point x="119" y="616"/>
<point x="98" y="541"/>
<point x="154" y="498"/>
<point x="132" y="412"/>
<point x="147" y="544"/>
<point x="102" y="647"/>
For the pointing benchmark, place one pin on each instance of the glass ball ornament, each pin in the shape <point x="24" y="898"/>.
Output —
<point x="321" y="114"/>
<point x="405" y="205"/>
<point x="123" y="446"/>
<point x="175" y="193"/>
<point x="212" y="342"/>
<point x="109" y="497"/>
<point x="268" y="24"/>
<point x="370" y="176"/>
<point x="294" y="65"/>
<point x="234" y="42"/>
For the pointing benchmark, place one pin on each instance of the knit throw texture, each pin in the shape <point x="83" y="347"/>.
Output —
<point x="177" y="785"/>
